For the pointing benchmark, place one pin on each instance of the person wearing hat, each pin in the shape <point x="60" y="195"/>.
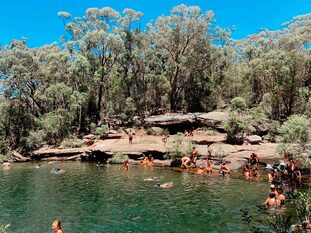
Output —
<point x="272" y="201"/>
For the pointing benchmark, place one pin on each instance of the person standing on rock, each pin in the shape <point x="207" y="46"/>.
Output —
<point x="209" y="151"/>
<point x="194" y="155"/>
<point x="130" y="137"/>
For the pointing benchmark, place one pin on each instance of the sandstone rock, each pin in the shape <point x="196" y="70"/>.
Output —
<point x="214" y="120"/>
<point x="90" y="137"/>
<point x="17" y="157"/>
<point x="112" y="131"/>
<point x="171" y="119"/>
<point x="137" y="121"/>
<point x="156" y="131"/>
<point x="254" y="139"/>
<point x="88" y="142"/>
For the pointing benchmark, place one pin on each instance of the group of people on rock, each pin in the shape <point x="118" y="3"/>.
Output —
<point x="285" y="170"/>
<point x="191" y="161"/>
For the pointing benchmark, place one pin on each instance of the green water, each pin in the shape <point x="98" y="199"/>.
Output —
<point x="91" y="199"/>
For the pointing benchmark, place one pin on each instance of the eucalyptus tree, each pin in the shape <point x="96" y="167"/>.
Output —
<point x="21" y="75"/>
<point x="182" y="37"/>
<point x="95" y="38"/>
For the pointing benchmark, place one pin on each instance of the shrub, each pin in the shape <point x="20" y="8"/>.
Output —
<point x="295" y="129"/>
<point x="273" y="130"/>
<point x="35" y="140"/>
<point x="237" y="126"/>
<point x="72" y="143"/>
<point x="118" y="158"/>
<point x="178" y="147"/>
<point x="237" y="103"/>
<point x="102" y="131"/>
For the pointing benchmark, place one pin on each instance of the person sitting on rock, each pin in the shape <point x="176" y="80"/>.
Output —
<point x="194" y="156"/>
<point x="209" y="167"/>
<point x="224" y="169"/>
<point x="185" y="162"/>
<point x="150" y="161"/>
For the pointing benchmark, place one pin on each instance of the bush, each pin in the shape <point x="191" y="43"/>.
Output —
<point x="118" y="158"/>
<point x="273" y="130"/>
<point x="237" y="103"/>
<point x="179" y="147"/>
<point x="102" y="131"/>
<point x="295" y="129"/>
<point x="72" y="143"/>
<point x="237" y="126"/>
<point x="35" y="140"/>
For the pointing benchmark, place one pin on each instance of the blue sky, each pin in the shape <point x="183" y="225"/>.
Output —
<point x="37" y="19"/>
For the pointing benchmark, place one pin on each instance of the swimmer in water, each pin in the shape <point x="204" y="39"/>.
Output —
<point x="57" y="170"/>
<point x="56" y="226"/>
<point x="200" y="170"/>
<point x="125" y="166"/>
<point x="165" y="185"/>
<point x="6" y="165"/>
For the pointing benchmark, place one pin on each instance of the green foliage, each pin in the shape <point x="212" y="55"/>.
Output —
<point x="279" y="223"/>
<point x="237" y="126"/>
<point x="273" y="127"/>
<point x="237" y="104"/>
<point x="107" y="65"/>
<point x="130" y="108"/>
<point x="56" y="125"/>
<point x="303" y="206"/>
<point x="177" y="148"/>
<point x="295" y="129"/>
<point x="118" y="158"/>
<point x="72" y="143"/>
<point x="35" y="140"/>
<point x="102" y="131"/>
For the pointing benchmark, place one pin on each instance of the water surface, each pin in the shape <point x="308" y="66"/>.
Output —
<point x="94" y="199"/>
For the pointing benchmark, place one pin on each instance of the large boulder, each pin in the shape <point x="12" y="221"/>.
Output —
<point x="171" y="119"/>
<point x="214" y="120"/>
<point x="254" y="139"/>
<point x="156" y="131"/>
<point x="90" y="137"/>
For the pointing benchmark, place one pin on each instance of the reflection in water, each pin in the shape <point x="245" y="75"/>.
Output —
<point x="88" y="198"/>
